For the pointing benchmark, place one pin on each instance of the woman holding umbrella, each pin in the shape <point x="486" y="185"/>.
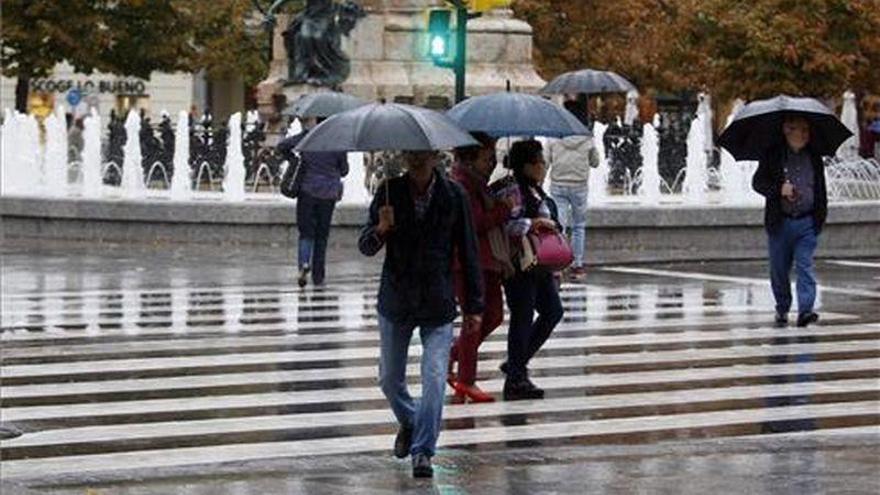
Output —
<point x="529" y="290"/>
<point x="789" y="136"/>
<point x="472" y="169"/>
<point x="515" y="114"/>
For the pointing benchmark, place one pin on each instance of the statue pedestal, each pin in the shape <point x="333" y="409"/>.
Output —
<point x="388" y="51"/>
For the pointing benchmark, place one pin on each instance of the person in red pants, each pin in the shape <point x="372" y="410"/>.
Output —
<point x="472" y="169"/>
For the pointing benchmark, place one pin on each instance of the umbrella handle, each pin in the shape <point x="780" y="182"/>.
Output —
<point x="387" y="186"/>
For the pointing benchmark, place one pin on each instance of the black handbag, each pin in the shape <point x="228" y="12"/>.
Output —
<point x="291" y="181"/>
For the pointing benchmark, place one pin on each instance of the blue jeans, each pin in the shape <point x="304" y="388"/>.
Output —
<point x="425" y="415"/>
<point x="527" y="293"/>
<point x="793" y="242"/>
<point x="572" y="204"/>
<point x="313" y="216"/>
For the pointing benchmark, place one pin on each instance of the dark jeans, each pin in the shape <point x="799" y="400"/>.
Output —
<point x="528" y="292"/>
<point x="794" y="242"/>
<point x="313" y="216"/>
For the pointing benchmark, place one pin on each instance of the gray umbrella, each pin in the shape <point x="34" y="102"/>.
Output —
<point x="516" y="114"/>
<point x="386" y="127"/>
<point x="588" y="81"/>
<point x="323" y="104"/>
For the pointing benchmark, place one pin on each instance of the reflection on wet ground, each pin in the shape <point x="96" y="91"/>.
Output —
<point x="114" y="371"/>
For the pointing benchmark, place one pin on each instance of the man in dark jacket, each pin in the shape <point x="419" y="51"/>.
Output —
<point x="320" y="189"/>
<point x="422" y="219"/>
<point x="792" y="179"/>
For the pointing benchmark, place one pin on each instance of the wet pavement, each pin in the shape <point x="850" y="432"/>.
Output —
<point x="155" y="370"/>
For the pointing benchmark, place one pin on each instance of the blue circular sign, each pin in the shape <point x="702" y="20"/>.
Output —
<point x="74" y="96"/>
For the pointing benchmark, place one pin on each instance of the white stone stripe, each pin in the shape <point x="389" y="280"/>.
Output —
<point x="137" y="407"/>
<point x="242" y="344"/>
<point x="257" y="289"/>
<point x="368" y="283"/>
<point x="737" y="280"/>
<point x="69" y="390"/>
<point x="856" y="264"/>
<point x="33" y="468"/>
<point x="165" y="430"/>
<point x="596" y="304"/>
<point x="338" y="355"/>
<point x="291" y="314"/>
<point x="367" y="326"/>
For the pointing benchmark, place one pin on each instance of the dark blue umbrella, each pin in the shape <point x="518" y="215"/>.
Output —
<point x="386" y="127"/>
<point x="516" y="114"/>
<point x="758" y="126"/>
<point x="588" y="81"/>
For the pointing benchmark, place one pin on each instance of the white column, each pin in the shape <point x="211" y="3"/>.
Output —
<point x="180" y="188"/>
<point x="132" y="171"/>
<point x="233" y="181"/>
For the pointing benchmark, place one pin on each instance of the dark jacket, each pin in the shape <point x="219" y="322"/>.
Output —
<point x="321" y="172"/>
<point x="417" y="284"/>
<point x="768" y="180"/>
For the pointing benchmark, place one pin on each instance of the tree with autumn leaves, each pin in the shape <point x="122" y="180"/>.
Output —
<point x="129" y="37"/>
<point x="732" y="48"/>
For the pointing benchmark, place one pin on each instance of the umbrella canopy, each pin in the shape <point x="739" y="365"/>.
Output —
<point x="758" y="126"/>
<point x="323" y="104"/>
<point x="386" y="127"/>
<point x="588" y="81"/>
<point x="516" y="114"/>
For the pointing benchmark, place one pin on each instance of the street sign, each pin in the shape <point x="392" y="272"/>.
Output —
<point x="74" y="96"/>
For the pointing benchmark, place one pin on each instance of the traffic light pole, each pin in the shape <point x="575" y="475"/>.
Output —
<point x="461" y="21"/>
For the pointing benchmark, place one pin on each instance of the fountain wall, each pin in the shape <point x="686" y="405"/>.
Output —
<point x="216" y="201"/>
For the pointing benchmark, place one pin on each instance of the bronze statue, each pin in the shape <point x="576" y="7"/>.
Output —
<point x="313" y="41"/>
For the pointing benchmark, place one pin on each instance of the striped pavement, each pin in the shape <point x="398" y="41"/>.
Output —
<point x="109" y="380"/>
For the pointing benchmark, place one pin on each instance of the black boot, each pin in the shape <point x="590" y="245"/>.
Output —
<point x="421" y="466"/>
<point x="781" y="320"/>
<point x="806" y="319"/>
<point x="521" y="389"/>
<point x="403" y="442"/>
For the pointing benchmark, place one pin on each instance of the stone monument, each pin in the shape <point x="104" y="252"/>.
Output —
<point x="387" y="55"/>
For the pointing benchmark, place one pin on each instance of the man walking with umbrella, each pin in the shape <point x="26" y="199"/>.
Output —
<point x="792" y="178"/>
<point x="423" y="221"/>
<point x="789" y="136"/>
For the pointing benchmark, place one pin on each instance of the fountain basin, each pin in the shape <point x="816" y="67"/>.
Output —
<point x="616" y="233"/>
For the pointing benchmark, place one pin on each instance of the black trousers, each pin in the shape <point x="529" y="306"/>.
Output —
<point x="528" y="292"/>
<point x="313" y="216"/>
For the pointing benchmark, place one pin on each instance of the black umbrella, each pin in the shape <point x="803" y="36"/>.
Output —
<point x="322" y="104"/>
<point x="588" y="81"/>
<point x="758" y="126"/>
<point x="516" y="114"/>
<point x="386" y="127"/>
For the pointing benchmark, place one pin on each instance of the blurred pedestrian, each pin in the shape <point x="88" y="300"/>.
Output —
<point x="320" y="190"/>
<point x="472" y="169"/>
<point x="529" y="290"/>
<point x="570" y="160"/>
<point x="791" y="177"/>
<point x="423" y="220"/>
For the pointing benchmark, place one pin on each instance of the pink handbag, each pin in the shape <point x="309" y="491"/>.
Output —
<point x="546" y="250"/>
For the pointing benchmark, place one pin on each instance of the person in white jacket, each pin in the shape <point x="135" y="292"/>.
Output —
<point x="570" y="160"/>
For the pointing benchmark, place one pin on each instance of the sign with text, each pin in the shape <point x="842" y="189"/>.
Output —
<point x="89" y="86"/>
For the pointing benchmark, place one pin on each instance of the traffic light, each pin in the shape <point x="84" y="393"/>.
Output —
<point x="486" y="5"/>
<point x="440" y="36"/>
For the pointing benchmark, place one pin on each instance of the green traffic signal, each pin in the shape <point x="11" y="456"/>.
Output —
<point x="439" y="36"/>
